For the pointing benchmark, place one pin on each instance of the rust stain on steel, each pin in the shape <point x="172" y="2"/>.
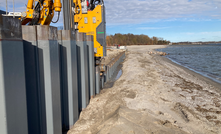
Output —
<point x="59" y="34"/>
<point x="80" y="36"/>
<point x="102" y="68"/>
<point x="68" y="35"/>
<point x="45" y="32"/>
<point x="10" y="28"/>
<point x="89" y="38"/>
<point x="29" y="33"/>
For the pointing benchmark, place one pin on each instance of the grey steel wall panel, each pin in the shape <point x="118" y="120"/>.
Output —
<point x="91" y="65"/>
<point x="69" y="76"/>
<point x="106" y="74"/>
<point x="97" y="77"/>
<point x="112" y="66"/>
<point x="64" y="84"/>
<point x="50" y="76"/>
<point x="35" y="121"/>
<point x="102" y="82"/>
<point x="74" y="83"/>
<point x="13" y="113"/>
<point x="83" y="87"/>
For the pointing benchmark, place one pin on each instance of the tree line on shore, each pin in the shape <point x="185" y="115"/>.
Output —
<point x="131" y="39"/>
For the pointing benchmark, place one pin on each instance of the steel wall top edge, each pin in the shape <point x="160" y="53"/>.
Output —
<point x="80" y="36"/>
<point x="66" y="35"/>
<point x="89" y="38"/>
<point x="10" y="28"/>
<point x="73" y="36"/>
<point x="59" y="34"/>
<point x="45" y="32"/>
<point x="29" y="33"/>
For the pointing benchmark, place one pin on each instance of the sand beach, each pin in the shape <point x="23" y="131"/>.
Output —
<point x="153" y="96"/>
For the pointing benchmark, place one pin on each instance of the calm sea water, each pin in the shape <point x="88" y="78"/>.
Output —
<point x="203" y="59"/>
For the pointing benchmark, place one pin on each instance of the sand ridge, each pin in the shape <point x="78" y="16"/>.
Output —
<point x="153" y="96"/>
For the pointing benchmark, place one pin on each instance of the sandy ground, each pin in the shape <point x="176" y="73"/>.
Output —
<point x="153" y="96"/>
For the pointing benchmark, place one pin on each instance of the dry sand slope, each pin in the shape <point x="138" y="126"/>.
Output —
<point x="153" y="96"/>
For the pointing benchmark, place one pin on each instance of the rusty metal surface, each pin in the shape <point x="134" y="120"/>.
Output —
<point x="59" y="36"/>
<point x="80" y="36"/>
<point x="66" y="35"/>
<point x="102" y="68"/>
<point x="10" y="28"/>
<point x="47" y="32"/>
<point x="89" y="38"/>
<point x="29" y="33"/>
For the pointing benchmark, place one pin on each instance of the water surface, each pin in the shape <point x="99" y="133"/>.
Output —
<point x="203" y="59"/>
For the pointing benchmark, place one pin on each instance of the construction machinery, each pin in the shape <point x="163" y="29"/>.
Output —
<point x="89" y="18"/>
<point x="79" y="15"/>
<point x="42" y="13"/>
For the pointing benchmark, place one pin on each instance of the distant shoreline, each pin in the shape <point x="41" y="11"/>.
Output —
<point x="200" y="44"/>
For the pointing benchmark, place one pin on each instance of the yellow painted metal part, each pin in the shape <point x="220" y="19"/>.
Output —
<point x="57" y="5"/>
<point x="30" y="4"/>
<point x="78" y="10"/>
<point x="30" y="13"/>
<point x="46" y="12"/>
<point x="46" y="16"/>
<point x="89" y="23"/>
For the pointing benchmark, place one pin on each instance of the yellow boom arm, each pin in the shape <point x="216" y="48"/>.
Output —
<point x="42" y="13"/>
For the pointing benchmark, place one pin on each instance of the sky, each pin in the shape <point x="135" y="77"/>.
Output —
<point x="173" y="20"/>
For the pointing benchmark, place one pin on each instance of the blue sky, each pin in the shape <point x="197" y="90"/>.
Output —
<point x="174" y="20"/>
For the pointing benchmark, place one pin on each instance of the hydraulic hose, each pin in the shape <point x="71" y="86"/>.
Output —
<point x="57" y="19"/>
